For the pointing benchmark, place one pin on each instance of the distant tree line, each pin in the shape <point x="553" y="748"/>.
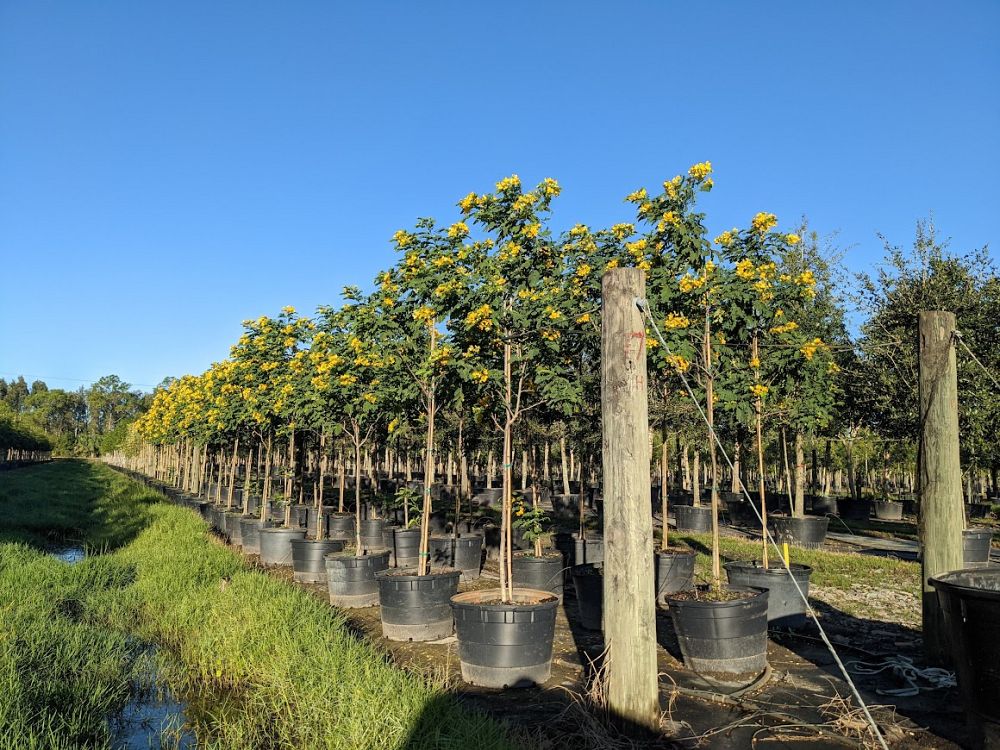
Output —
<point x="85" y="422"/>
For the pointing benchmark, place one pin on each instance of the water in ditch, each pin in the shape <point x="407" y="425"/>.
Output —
<point x="154" y="719"/>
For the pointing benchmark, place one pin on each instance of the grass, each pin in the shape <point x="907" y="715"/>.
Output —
<point x="834" y="569"/>
<point x="267" y="665"/>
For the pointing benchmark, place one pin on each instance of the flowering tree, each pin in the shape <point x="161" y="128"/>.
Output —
<point x="509" y="325"/>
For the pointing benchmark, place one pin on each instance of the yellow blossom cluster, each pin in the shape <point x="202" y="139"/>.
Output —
<point x="424" y="314"/>
<point x="679" y="363"/>
<point x="763" y="222"/>
<point x="458" y="230"/>
<point x="670" y="186"/>
<point x="791" y="325"/>
<point x="468" y="203"/>
<point x="402" y="238"/>
<point x="670" y="218"/>
<point x="701" y="170"/>
<point x="480" y="318"/>
<point x="509" y="183"/>
<point x="549" y="335"/>
<point x="637" y="196"/>
<point x="728" y="237"/>
<point x="759" y="390"/>
<point x="623" y="230"/>
<point x="550" y="187"/>
<point x="583" y="270"/>
<point x="674" y="321"/>
<point x="810" y="348"/>
<point x="479" y="376"/>
<point x="585" y="318"/>
<point x="745" y="269"/>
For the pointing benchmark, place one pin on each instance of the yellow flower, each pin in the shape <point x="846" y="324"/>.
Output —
<point x="458" y="230"/>
<point x="763" y="222"/>
<point x="744" y="269"/>
<point x="531" y="230"/>
<point x="347" y="379"/>
<point x="645" y="265"/>
<point x="755" y="362"/>
<point x="402" y="238"/>
<point x="393" y="425"/>
<point x="792" y="239"/>
<point x="833" y="368"/>
<point x="550" y="335"/>
<point x="424" y="314"/>
<point x="671" y="185"/>
<point x="613" y="263"/>
<point x="726" y="238"/>
<point x="701" y="170"/>
<point x="524" y="202"/>
<point x="708" y="184"/>
<point x="621" y="231"/>
<point x="674" y="321"/>
<point x="388" y="302"/>
<point x="289" y="310"/>
<point x="550" y="187"/>
<point x="791" y="325"/>
<point x="583" y="270"/>
<point x="480" y="376"/>
<point x="669" y="218"/>
<point x="509" y="183"/>
<point x="806" y="278"/>
<point x="369" y="397"/>
<point x="759" y="390"/>
<point x="585" y="318"/>
<point x="552" y="313"/>
<point x="467" y="203"/>
<point x="809" y="348"/>
<point x="637" y="196"/>
<point x="578" y="231"/>
<point x="480" y="318"/>
<point x="679" y="363"/>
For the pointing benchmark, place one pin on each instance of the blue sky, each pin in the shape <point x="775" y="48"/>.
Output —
<point x="168" y="169"/>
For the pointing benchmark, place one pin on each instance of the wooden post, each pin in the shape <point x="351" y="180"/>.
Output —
<point x="629" y="615"/>
<point x="940" y="471"/>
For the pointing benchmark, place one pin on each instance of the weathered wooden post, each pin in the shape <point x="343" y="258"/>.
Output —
<point x="940" y="471"/>
<point x="629" y="614"/>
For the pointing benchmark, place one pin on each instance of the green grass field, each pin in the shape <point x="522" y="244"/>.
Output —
<point x="267" y="665"/>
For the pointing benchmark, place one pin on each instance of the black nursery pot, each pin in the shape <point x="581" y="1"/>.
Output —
<point x="250" y="534"/>
<point x="416" y="608"/>
<point x="308" y="563"/>
<point x="970" y="602"/>
<point x="589" y="585"/>
<point x="674" y="572"/>
<point x="854" y="510"/>
<point x="312" y="515"/>
<point x="276" y="544"/>
<point x="889" y="510"/>
<point x="976" y="547"/>
<point x="341" y="526"/>
<point x="234" y="529"/>
<point x="406" y="546"/>
<point x="465" y="554"/>
<point x="371" y="533"/>
<point x="693" y="518"/>
<point x="505" y="645"/>
<point x="589" y="550"/>
<point x="785" y="608"/>
<point x="543" y="573"/>
<point x="726" y="638"/>
<point x="351" y="578"/>
<point x="807" y="533"/>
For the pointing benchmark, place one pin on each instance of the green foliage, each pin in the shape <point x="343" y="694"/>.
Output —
<point x="531" y="521"/>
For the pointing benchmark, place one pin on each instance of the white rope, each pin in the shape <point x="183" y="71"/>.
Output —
<point x="644" y="308"/>
<point x="958" y="336"/>
<point x="904" y="668"/>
